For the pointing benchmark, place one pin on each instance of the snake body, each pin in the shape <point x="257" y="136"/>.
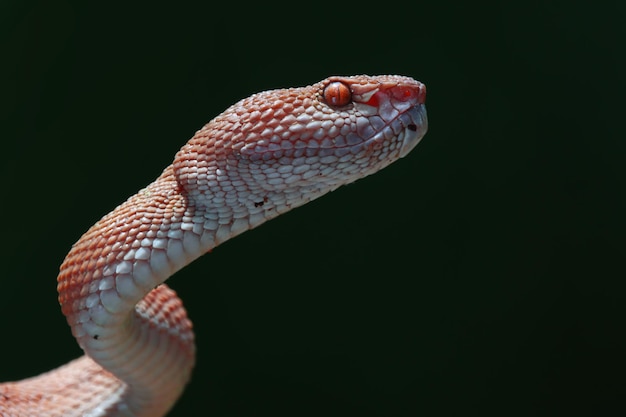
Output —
<point x="263" y="156"/>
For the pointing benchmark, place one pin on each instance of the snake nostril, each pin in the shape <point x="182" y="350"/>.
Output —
<point x="412" y="127"/>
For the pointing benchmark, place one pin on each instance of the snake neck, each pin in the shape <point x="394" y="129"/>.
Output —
<point x="111" y="283"/>
<point x="110" y="291"/>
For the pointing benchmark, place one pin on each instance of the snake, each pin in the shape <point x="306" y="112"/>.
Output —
<point x="263" y="156"/>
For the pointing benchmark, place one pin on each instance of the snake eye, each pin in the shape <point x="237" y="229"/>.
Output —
<point x="337" y="94"/>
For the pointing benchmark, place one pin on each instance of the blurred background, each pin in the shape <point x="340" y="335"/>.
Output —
<point x="483" y="273"/>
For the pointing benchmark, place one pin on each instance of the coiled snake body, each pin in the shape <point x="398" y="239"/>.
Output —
<point x="263" y="156"/>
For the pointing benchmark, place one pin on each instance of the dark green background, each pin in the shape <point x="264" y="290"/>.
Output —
<point x="483" y="274"/>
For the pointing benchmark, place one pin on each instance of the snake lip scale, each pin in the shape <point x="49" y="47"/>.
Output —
<point x="263" y="156"/>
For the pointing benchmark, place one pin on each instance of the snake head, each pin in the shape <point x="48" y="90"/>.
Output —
<point x="381" y="109"/>
<point x="293" y="145"/>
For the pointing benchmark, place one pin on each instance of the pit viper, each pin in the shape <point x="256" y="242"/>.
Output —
<point x="263" y="156"/>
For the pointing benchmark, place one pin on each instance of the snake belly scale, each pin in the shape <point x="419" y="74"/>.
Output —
<point x="262" y="157"/>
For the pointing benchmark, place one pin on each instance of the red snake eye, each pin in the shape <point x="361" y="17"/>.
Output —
<point x="337" y="94"/>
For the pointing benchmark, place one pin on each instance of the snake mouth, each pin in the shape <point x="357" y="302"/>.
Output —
<point x="415" y="129"/>
<point x="404" y="132"/>
<point x="415" y="125"/>
<point x="400" y="134"/>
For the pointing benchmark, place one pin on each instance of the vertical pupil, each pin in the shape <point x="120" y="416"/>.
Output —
<point x="337" y="94"/>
